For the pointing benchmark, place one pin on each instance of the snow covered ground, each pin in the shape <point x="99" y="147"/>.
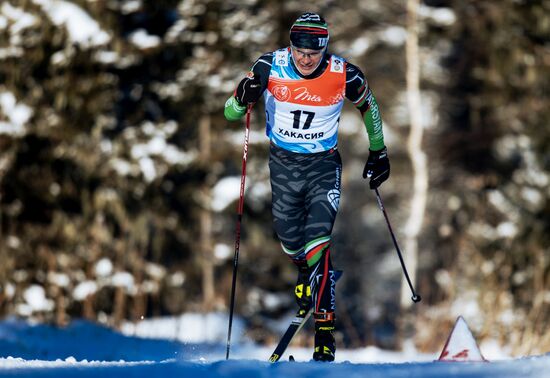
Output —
<point x="85" y="349"/>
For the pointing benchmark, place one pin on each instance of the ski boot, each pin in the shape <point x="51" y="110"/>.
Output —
<point x="325" y="347"/>
<point x="302" y="291"/>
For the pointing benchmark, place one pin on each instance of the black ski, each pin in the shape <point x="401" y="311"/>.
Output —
<point x="295" y="326"/>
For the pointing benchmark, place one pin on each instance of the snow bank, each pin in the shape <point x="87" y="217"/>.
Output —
<point x="84" y="349"/>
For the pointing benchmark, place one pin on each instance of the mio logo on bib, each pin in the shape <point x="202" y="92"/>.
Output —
<point x="283" y="93"/>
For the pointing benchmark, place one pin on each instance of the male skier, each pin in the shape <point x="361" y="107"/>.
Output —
<point x="304" y="87"/>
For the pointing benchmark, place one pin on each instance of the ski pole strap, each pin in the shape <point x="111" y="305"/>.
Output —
<point x="324" y="316"/>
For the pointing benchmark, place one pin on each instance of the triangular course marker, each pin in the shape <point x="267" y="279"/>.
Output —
<point x="461" y="345"/>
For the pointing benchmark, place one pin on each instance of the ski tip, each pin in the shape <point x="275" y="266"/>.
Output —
<point x="291" y="358"/>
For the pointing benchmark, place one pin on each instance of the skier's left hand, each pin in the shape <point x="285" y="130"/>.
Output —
<point x="377" y="167"/>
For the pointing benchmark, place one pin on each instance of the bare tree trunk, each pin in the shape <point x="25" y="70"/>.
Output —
<point x="88" y="309"/>
<point x="56" y="292"/>
<point x="6" y="160"/>
<point x="416" y="154"/>
<point x="533" y="333"/>
<point x="3" y="254"/>
<point x="206" y="255"/>
<point x="122" y="248"/>
<point x="119" y="308"/>
<point x="2" y="257"/>
<point x="139" y="305"/>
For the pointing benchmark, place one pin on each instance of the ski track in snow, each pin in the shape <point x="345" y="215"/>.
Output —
<point x="85" y="349"/>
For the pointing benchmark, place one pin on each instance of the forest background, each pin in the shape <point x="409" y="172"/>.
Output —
<point x="119" y="175"/>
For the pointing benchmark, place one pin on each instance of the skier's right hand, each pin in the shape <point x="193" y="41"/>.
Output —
<point x="249" y="89"/>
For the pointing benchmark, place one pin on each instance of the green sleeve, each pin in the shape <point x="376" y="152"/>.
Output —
<point x="373" y="124"/>
<point x="233" y="111"/>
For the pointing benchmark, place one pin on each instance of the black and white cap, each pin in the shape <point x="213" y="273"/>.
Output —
<point x="309" y="31"/>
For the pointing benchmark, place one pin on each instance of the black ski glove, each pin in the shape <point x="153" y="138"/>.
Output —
<point x="249" y="90"/>
<point x="377" y="167"/>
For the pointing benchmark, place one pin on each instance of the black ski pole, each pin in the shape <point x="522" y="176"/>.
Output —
<point x="415" y="297"/>
<point x="238" y="231"/>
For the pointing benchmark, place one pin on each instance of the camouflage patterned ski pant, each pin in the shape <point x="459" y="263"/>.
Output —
<point x="306" y="194"/>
